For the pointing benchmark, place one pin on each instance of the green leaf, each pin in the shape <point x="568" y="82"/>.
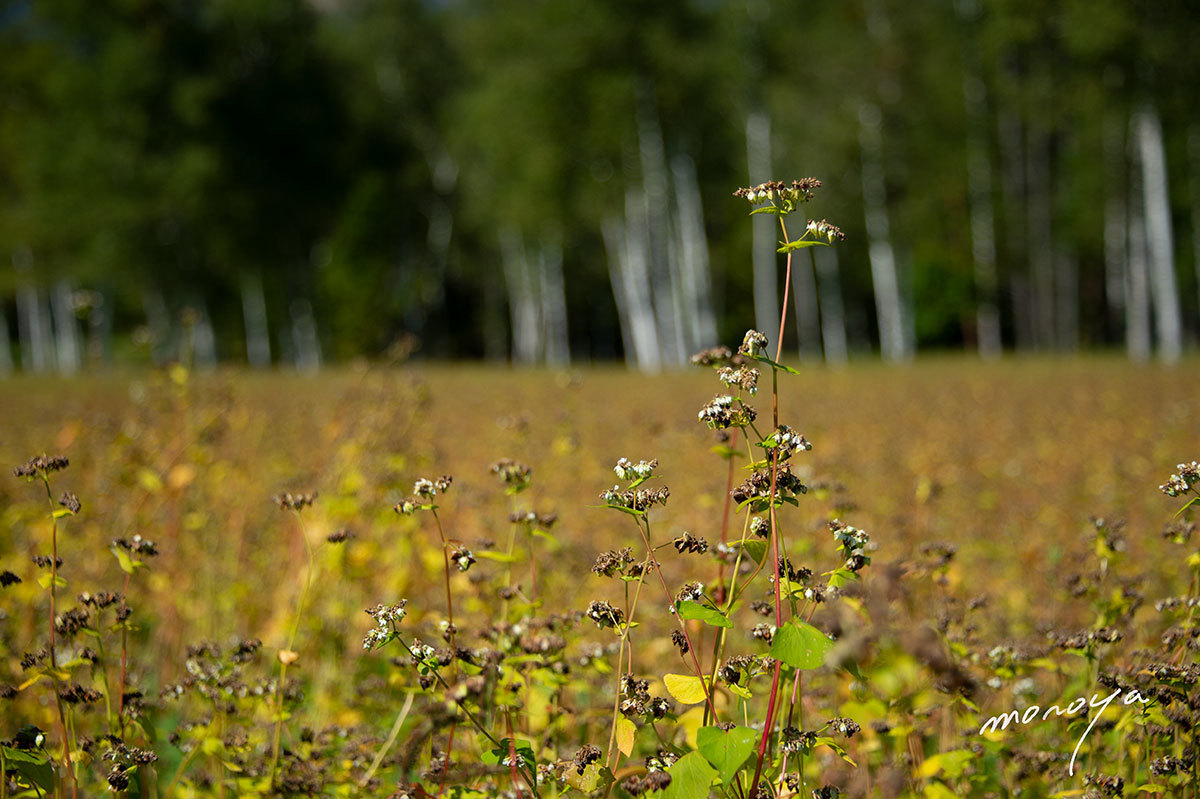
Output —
<point x="685" y="688"/>
<point x="800" y="245"/>
<point x="621" y="508"/>
<point x="34" y="767"/>
<point x="690" y="777"/>
<point x="501" y="557"/>
<point x="44" y="581"/>
<point x="800" y="645"/>
<point x="127" y="563"/>
<point x="756" y="550"/>
<point x="767" y="209"/>
<point x="61" y="512"/>
<point x="1190" y="503"/>
<point x="775" y="364"/>
<point x="726" y="751"/>
<point x="494" y="757"/>
<point x="694" y="610"/>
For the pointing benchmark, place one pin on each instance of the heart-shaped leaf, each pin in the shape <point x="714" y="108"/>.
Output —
<point x="800" y="645"/>
<point x="726" y="750"/>
<point x="690" y="777"/>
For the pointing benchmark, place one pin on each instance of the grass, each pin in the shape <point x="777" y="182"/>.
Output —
<point x="1007" y="463"/>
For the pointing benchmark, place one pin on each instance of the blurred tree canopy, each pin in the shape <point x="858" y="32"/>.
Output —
<point x="347" y="173"/>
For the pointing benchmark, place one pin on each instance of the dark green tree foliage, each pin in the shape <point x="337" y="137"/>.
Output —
<point x="368" y="156"/>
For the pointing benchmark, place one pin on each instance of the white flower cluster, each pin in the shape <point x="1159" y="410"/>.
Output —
<point x="627" y="470"/>
<point x="1179" y="484"/>
<point x="386" y="617"/>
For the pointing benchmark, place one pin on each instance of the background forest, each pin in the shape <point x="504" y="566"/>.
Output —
<point x="281" y="181"/>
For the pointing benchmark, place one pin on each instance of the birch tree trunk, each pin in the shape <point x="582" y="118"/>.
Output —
<point x="1194" y="157"/>
<point x="68" y="345"/>
<point x="6" y="361"/>
<point x="254" y="313"/>
<point x="655" y="208"/>
<point x="523" y="304"/>
<point x="204" y="340"/>
<point x="305" y="343"/>
<point x="888" y="302"/>
<point x="763" y="253"/>
<point x="1137" y="291"/>
<point x="554" y="306"/>
<point x="1116" y="219"/>
<point x="628" y="271"/>
<point x="1159" y="238"/>
<point x="693" y="252"/>
<point x="833" y="318"/>
<point x="979" y="190"/>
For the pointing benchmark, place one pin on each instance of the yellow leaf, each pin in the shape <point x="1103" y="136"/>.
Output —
<point x="684" y="688"/>
<point x="625" y="733"/>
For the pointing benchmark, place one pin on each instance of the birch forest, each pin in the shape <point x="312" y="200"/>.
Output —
<point x="300" y="183"/>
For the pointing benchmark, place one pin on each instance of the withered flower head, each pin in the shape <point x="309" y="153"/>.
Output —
<point x="70" y="502"/>
<point x="514" y="474"/>
<point x="41" y="465"/>
<point x="7" y="578"/>
<point x="604" y="614"/>
<point x="289" y="501"/>
<point x="713" y="356"/>
<point x="781" y="194"/>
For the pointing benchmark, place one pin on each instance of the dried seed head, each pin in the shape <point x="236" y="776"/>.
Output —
<point x="289" y="501"/>
<point x="714" y="356"/>
<point x="41" y="465"/>
<point x="70" y="502"/>
<point x="604" y="614"/>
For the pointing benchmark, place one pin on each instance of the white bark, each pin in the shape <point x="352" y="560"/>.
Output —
<point x="884" y="275"/>
<point x="68" y="346"/>
<point x="765" y="228"/>
<point x="305" y="343"/>
<point x="701" y="327"/>
<point x="833" y="318"/>
<point x="804" y="298"/>
<point x="1159" y="237"/>
<point x="1137" y="293"/>
<point x="254" y="313"/>
<point x="554" y="306"/>
<point x="204" y="340"/>
<point x="628" y="271"/>
<point x="1194" y="153"/>
<point x="655" y="208"/>
<point x="523" y="305"/>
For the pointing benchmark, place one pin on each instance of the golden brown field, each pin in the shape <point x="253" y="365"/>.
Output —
<point x="1008" y="463"/>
